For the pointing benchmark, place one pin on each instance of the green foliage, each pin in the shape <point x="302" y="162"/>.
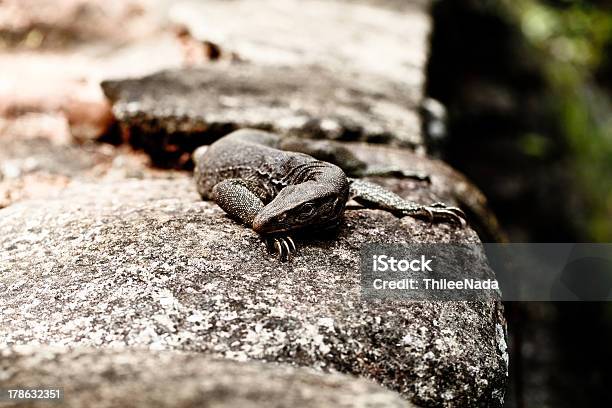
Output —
<point x="571" y="40"/>
<point x="535" y="145"/>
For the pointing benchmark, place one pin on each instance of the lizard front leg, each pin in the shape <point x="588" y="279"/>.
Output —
<point x="371" y="195"/>
<point x="237" y="198"/>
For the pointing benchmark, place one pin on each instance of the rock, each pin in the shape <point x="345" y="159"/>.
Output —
<point x="387" y="38"/>
<point x="317" y="73"/>
<point x="139" y="378"/>
<point x="62" y="23"/>
<point x="82" y="46"/>
<point x="145" y="263"/>
<point x="171" y="113"/>
<point x="77" y="102"/>
<point x="36" y="167"/>
<point x="51" y="126"/>
<point x="97" y="251"/>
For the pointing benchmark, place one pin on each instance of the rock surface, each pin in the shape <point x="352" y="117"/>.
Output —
<point x="145" y="263"/>
<point x="138" y="378"/>
<point x="171" y="113"/>
<point x="350" y="70"/>
<point x="387" y="38"/>
<point x="99" y="251"/>
<point x="55" y="53"/>
<point x="38" y="168"/>
<point x="61" y="23"/>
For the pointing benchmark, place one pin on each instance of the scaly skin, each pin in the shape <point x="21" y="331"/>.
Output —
<point x="278" y="192"/>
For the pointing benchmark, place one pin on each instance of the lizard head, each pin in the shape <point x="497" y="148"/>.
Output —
<point x="302" y="206"/>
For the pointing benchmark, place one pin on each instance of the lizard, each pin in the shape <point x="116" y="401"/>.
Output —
<point x="259" y="179"/>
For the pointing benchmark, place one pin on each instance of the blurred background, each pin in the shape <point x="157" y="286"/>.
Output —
<point x="527" y="85"/>
<point x="528" y="88"/>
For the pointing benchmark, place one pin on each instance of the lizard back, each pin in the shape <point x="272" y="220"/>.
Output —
<point x="253" y="156"/>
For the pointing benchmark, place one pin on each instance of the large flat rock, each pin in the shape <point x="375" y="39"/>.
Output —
<point x="139" y="378"/>
<point x="170" y="113"/>
<point x="145" y="263"/>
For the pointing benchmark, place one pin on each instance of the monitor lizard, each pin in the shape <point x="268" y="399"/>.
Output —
<point x="259" y="179"/>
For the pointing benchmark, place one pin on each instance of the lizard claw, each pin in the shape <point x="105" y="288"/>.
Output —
<point x="442" y="212"/>
<point x="284" y="246"/>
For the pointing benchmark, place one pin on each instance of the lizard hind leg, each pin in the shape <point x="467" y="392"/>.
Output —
<point x="371" y="195"/>
<point x="239" y="199"/>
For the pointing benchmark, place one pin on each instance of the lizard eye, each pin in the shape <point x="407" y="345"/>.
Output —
<point x="306" y="211"/>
